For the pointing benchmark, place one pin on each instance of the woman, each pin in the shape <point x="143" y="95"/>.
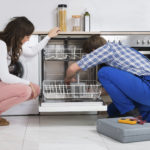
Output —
<point x="14" y="90"/>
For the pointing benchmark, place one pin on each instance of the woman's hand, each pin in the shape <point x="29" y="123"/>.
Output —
<point x="53" y="32"/>
<point x="34" y="94"/>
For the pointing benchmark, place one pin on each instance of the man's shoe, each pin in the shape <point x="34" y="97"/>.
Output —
<point x="133" y="113"/>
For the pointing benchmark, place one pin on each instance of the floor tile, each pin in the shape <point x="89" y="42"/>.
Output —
<point x="10" y="145"/>
<point x="16" y="130"/>
<point x="12" y="136"/>
<point x="63" y="132"/>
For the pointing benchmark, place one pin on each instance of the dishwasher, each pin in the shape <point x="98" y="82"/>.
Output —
<point x="84" y="95"/>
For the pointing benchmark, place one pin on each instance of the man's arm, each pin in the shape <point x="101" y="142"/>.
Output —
<point x="71" y="71"/>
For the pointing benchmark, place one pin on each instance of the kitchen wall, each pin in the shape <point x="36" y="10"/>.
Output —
<point x="106" y="15"/>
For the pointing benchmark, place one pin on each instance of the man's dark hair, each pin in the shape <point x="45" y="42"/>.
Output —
<point x="92" y="43"/>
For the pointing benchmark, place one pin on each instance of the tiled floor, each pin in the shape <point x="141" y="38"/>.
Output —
<point x="58" y="133"/>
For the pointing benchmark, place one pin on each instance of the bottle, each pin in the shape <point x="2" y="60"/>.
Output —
<point x="62" y="17"/>
<point x="86" y="21"/>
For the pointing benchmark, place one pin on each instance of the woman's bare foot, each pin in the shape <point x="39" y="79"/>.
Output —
<point x="3" y="122"/>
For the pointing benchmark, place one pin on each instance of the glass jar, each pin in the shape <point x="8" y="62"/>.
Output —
<point x="76" y="23"/>
<point x="62" y="17"/>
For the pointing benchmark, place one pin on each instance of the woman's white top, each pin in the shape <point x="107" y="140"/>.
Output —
<point x="5" y="76"/>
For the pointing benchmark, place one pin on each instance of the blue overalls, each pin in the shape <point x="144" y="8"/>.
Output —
<point x="126" y="90"/>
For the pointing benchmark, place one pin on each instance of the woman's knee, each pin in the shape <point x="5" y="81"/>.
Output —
<point x="24" y="91"/>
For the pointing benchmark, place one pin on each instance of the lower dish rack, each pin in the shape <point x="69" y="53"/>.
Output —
<point x="58" y="89"/>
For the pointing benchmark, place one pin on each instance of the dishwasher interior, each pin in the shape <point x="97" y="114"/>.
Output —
<point x="85" y="91"/>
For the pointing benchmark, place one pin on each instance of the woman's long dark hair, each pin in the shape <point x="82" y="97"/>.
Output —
<point x="13" y="33"/>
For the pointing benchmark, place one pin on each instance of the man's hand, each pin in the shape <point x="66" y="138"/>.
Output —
<point x="71" y="80"/>
<point x="71" y="71"/>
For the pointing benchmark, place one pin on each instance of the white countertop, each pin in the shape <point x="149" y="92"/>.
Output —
<point x="67" y="33"/>
<point x="100" y="32"/>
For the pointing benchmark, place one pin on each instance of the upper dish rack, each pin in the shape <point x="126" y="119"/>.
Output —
<point x="61" y="53"/>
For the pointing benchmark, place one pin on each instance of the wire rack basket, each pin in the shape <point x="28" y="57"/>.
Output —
<point x="61" y="54"/>
<point x="57" y="89"/>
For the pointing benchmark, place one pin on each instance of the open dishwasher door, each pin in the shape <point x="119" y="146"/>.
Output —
<point x="57" y="96"/>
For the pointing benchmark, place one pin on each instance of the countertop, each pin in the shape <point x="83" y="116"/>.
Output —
<point x="100" y="32"/>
